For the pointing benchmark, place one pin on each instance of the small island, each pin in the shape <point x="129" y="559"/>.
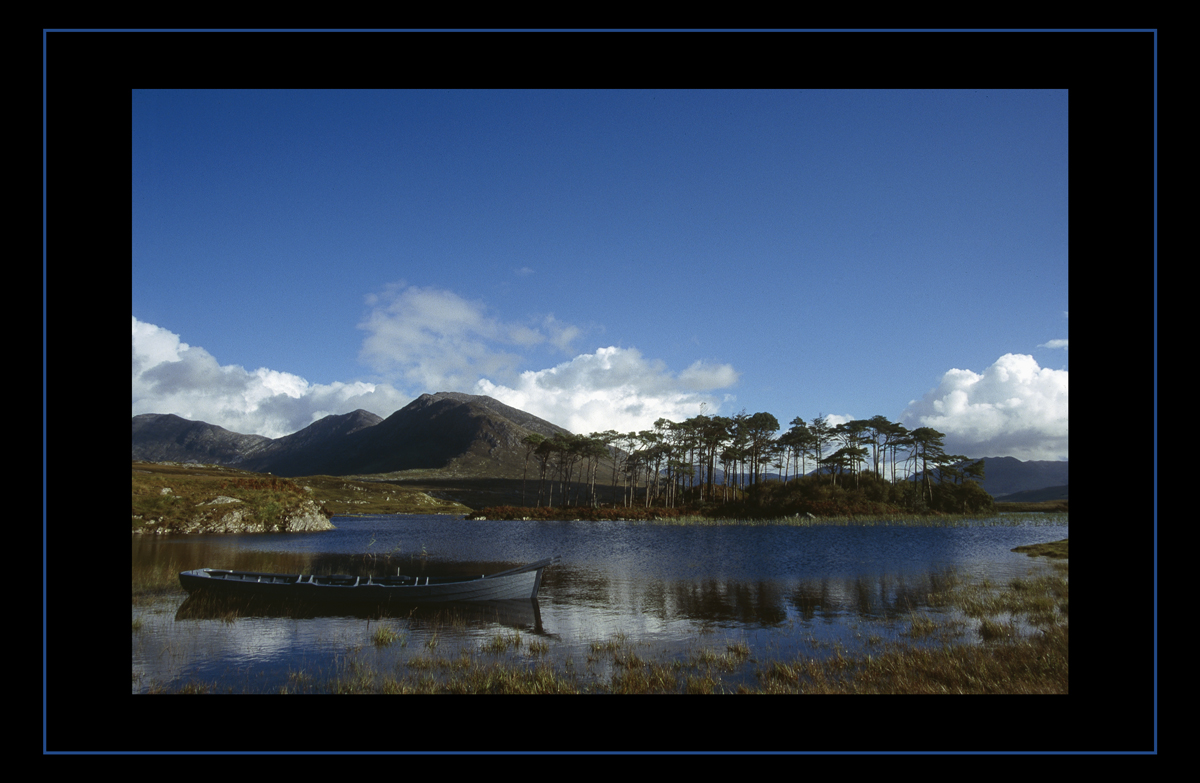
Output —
<point x="1051" y="549"/>
<point x="187" y="498"/>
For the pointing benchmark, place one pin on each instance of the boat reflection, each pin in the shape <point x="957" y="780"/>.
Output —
<point x="521" y="614"/>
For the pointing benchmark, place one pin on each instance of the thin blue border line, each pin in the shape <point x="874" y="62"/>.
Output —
<point x="1154" y="585"/>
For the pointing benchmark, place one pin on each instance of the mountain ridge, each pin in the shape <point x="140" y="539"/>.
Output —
<point x="449" y="431"/>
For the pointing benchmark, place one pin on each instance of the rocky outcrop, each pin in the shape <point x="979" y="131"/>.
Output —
<point x="307" y="516"/>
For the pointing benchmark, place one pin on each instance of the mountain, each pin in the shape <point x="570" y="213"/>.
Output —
<point x="460" y="434"/>
<point x="164" y="437"/>
<point x="1007" y="475"/>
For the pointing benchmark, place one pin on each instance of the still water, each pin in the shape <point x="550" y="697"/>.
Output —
<point x="666" y="590"/>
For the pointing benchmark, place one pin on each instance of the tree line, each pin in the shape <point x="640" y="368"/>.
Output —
<point x="675" y="461"/>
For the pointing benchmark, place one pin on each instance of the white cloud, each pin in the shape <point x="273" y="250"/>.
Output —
<point x="437" y="341"/>
<point x="560" y="334"/>
<point x="1014" y="408"/>
<point x="1055" y="344"/>
<point x="170" y="376"/>
<point x="434" y="340"/>
<point x="613" y="388"/>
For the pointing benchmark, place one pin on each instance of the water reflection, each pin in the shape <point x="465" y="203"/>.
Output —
<point x="519" y="614"/>
<point x="792" y="590"/>
<point x="756" y="602"/>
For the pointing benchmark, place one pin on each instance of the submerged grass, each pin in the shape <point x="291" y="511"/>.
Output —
<point x="385" y="635"/>
<point x="1007" y="656"/>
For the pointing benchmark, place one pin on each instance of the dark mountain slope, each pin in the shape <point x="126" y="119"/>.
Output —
<point x="320" y="444"/>
<point x="164" y="437"/>
<point x="465" y="434"/>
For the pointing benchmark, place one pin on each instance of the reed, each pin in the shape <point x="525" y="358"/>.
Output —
<point x="153" y="579"/>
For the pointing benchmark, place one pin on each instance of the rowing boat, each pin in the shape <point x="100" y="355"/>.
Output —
<point x="516" y="583"/>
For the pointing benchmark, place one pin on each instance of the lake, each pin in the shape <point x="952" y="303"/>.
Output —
<point x="664" y="591"/>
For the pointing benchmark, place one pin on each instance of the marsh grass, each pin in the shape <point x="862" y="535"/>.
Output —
<point x="921" y="625"/>
<point x="385" y="635"/>
<point x="151" y="581"/>
<point x="991" y="629"/>
<point x="1009" y="658"/>
<point x="502" y="642"/>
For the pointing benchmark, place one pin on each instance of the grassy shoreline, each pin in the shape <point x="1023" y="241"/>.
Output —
<point x="180" y="498"/>
<point x="1050" y="549"/>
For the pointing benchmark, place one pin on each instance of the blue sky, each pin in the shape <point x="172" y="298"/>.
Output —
<point x="603" y="259"/>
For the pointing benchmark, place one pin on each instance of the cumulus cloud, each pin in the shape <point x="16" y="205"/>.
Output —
<point x="1055" y="344"/>
<point x="429" y="340"/>
<point x="170" y="376"/>
<point x="436" y="340"/>
<point x="613" y="388"/>
<point x="1012" y="409"/>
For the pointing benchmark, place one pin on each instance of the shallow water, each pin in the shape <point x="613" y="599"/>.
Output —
<point x="665" y="591"/>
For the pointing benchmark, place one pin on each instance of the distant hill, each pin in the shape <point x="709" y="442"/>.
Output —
<point x="1007" y="475"/>
<point x="1036" y="495"/>
<point x="458" y="434"/>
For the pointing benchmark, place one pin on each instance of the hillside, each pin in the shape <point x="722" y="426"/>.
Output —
<point x="164" y="437"/>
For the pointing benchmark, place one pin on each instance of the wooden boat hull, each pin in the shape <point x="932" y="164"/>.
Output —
<point x="516" y="583"/>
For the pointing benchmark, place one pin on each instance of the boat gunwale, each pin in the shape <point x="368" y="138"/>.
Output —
<point x="523" y="581"/>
